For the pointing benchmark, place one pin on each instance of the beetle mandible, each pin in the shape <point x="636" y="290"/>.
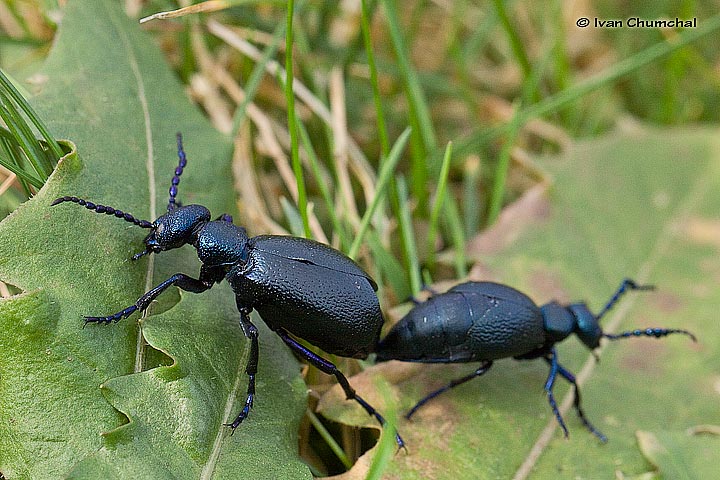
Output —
<point x="486" y="321"/>
<point x="301" y="288"/>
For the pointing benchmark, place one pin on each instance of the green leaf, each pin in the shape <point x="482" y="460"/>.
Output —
<point x="643" y="205"/>
<point x="681" y="455"/>
<point x="177" y="411"/>
<point x="108" y="89"/>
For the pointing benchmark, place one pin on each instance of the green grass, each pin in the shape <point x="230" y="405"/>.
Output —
<point x="20" y="151"/>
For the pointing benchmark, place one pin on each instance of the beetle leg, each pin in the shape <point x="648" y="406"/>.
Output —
<point x="484" y="367"/>
<point x="251" y="332"/>
<point x="328" y="367"/>
<point x="181" y="280"/>
<point x="576" y="402"/>
<point x="554" y="367"/>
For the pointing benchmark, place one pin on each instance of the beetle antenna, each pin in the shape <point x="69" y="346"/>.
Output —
<point x="624" y="287"/>
<point x="649" y="332"/>
<point x="182" y="161"/>
<point x="103" y="209"/>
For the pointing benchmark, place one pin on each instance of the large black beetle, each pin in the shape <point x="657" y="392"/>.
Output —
<point x="300" y="288"/>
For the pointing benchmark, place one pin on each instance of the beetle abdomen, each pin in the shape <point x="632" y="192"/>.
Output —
<point x="330" y="308"/>
<point x="471" y="322"/>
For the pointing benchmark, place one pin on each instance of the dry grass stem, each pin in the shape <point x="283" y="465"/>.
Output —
<point x="340" y="153"/>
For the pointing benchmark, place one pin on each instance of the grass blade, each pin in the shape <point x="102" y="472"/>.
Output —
<point x="407" y="236"/>
<point x="292" y="120"/>
<point x="438" y="205"/>
<point x="607" y="77"/>
<point x="386" y="172"/>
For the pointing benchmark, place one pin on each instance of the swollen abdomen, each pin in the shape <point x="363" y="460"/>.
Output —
<point x="471" y="322"/>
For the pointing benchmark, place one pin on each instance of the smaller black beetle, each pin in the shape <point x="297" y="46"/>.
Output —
<point x="300" y="288"/>
<point x="485" y="321"/>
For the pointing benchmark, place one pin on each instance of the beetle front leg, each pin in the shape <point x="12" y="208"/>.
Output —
<point x="484" y="367"/>
<point x="576" y="402"/>
<point x="182" y="281"/>
<point x="330" y="368"/>
<point x="549" y="384"/>
<point x="251" y="333"/>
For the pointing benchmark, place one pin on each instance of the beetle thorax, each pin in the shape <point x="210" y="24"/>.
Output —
<point x="221" y="243"/>
<point x="559" y="321"/>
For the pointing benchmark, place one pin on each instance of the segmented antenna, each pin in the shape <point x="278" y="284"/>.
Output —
<point x="624" y="287"/>
<point x="648" y="332"/>
<point x="182" y="161"/>
<point x="104" y="209"/>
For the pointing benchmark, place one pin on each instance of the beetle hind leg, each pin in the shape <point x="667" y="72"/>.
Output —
<point x="328" y="367"/>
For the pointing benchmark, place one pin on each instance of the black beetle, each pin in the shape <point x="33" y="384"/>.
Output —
<point x="486" y="321"/>
<point x="298" y="286"/>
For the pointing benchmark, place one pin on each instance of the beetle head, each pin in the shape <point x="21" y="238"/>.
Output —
<point x="587" y="326"/>
<point x="175" y="229"/>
